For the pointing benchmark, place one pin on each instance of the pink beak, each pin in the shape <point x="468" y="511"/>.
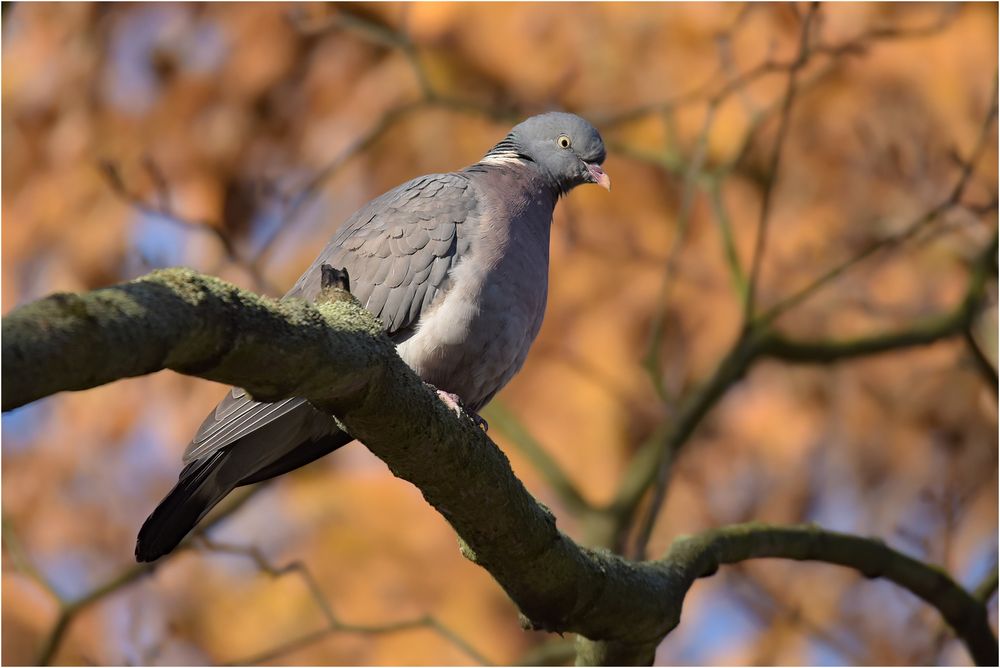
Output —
<point x="598" y="176"/>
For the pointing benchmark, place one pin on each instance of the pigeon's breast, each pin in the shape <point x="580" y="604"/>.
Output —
<point x="474" y="340"/>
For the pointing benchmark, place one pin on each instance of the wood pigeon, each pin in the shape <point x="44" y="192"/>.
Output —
<point x="456" y="268"/>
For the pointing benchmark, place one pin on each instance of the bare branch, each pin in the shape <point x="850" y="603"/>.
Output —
<point x="263" y="565"/>
<point x="760" y="341"/>
<point x="163" y="210"/>
<point x="651" y="360"/>
<point x="70" y="610"/>
<point x="303" y="641"/>
<point x="721" y="217"/>
<point x="707" y="91"/>
<point x="767" y="602"/>
<point x="987" y="588"/>
<point x="333" y="625"/>
<point x="702" y="555"/>
<point x="952" y="200"/>
<point x="775" y="162"/>
<point x="983" y="364"/>
<point x="15" y="551"/>
<point x="953" y="323"/>
<point x="310" y="189"/>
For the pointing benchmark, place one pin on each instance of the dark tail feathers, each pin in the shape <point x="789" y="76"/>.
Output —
<point x="205" y="482"/>
<point x="197" y="491"/>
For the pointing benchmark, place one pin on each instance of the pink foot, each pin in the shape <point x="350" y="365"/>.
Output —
<point x="453" y="402"/>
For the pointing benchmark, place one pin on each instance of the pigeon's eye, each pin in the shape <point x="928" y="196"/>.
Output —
<point x="563" y="141"/>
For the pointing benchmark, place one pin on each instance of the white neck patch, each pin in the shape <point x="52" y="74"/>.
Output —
<point x="502" y="158"/>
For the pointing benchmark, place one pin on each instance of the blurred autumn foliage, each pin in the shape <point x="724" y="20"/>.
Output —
<point x="235" y="138"/>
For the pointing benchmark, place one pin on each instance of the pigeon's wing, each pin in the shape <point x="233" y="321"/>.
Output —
<point x="398" y="250"/>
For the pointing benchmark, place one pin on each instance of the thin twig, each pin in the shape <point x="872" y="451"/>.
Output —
<point x="760" y="341"/>
<point x="333" y="625"/>
<point x="71" y="609"/>
<point x="721" y="218"/>
<point x="987" y="588"/>
<point x="19" y="558"/>
<point x="775" y="163"/>
<point x="318" y="635"/>
<point x="952" y="200"/>
<point x="763" y="600"/>
<point x="651" y="360"/>
<point x="383" y="35"/>
<point x="666" y="461"/>
<point x="703" y="92"/>
<point x="296" y="202"/>
<point x="263" y="565"/>
<point x="163" y="210"/>
<point x="983" y="364"/>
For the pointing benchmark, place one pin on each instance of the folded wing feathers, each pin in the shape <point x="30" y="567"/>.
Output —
<point x="235" y="425"/>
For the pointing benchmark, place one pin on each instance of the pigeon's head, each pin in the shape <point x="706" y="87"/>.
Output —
<point x="568" y="149"/>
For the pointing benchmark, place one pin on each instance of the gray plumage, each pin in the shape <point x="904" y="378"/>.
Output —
<point x="456" y="268"/>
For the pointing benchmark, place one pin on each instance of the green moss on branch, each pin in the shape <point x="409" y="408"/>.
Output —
<point x="180" y="320"/>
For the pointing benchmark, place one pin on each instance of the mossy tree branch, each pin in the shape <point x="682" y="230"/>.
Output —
<point x="702" y="554"/>
<point x="333" y="354"/>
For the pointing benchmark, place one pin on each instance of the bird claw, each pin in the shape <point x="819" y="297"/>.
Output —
<point x="453" y="402"/>
<point x="480" y="422"/>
